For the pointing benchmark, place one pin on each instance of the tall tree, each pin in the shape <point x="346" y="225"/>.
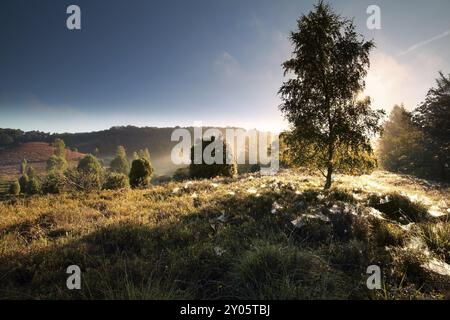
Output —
<point x="433" y="116"/>
<point x="60" y="148"/>
<point x="120" y="163"/>
<point x="23" y="166"/>
<point x="320" y="100"/>
<point x="400" y="147"/>
<point x="142" y="154"/>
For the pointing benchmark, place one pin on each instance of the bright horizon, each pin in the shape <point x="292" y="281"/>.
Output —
<point x="172" y="64"/>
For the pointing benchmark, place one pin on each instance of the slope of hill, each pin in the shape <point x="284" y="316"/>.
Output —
<point x="36" y="154"/>
<point x="278" y="237"/>
<point x="157" y="140"/>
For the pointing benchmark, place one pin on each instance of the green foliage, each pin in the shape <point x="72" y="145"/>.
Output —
<point x="14" y="188"/>
<point x="116" y="181"/>
<point x="23" y="166"/>
<point x="90" y="164"/>
<point x="54" y="183"/>
<point x="60" y="148"/>
<point x="34" y="186"/>
<point x="140" y="173"/>
<point x="31" y="173"/>
<point x="401" y="145"/>
<point x="329" y="124"/>
<point x="5" y="139"/>
<point x="120" y="163"/>
<point x="227" y="167"/>
<point x="55" y="163"/>
<point x="432" y="117"/>
<point x="23" y="182"/>
<point x="89" y="175"/>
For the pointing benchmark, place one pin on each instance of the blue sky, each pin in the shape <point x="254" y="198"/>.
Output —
<point x="166" y="63"/>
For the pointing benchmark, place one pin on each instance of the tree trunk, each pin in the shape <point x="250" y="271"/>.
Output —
<point x="330" y="166"/>
<point x="329" y="173"/>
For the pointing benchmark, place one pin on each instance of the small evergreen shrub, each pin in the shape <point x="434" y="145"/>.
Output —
<point x="54" y="183"/>
<point x="90" y="174"/>
<point x="23" y="182"/>
<point x="120" y="163"/>
<point x="34" y="186"/>
<point x="55" y="163"/>
<point x="140" y="173"/>
<point x="116" y="181"/>
<point x="14" y="188"/>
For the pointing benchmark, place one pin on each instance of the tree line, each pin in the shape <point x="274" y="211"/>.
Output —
<point x="89" y="175"/>
<point x="418" y="142"/>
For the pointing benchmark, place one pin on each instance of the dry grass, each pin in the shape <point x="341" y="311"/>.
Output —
<point x="221" y="238"/>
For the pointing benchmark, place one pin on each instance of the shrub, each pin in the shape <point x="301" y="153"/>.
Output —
<point x="14" y="188"/>
<point x="120" y="163"/>
<point x="31" y="173"/>
<point x="54" y="183"/>
<point x="34" y="186"/>
<point x="115" y="181"/>
<point x="89" y="174"/>
<point x="140" y="173"/>
<point x="23" y="182"/>
<point x="227" y="168"/>
<point x="60" y="148"/>
<point x="55" y="163"/>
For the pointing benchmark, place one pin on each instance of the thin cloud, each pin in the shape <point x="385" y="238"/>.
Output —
<point x="425" y="42"/>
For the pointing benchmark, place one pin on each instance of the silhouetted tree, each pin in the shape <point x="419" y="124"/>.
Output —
<point x="23" y="182"/>
<point x="329" y="123"/>
<point x="226" y="168"/>
<point x="433" y="118"/>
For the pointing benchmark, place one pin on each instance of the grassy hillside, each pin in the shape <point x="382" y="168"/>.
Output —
<point x="36" y="154"/>
<point x="277" y="237"/>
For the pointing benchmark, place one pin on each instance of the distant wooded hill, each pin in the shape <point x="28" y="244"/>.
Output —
<point x="104" y="143"/>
